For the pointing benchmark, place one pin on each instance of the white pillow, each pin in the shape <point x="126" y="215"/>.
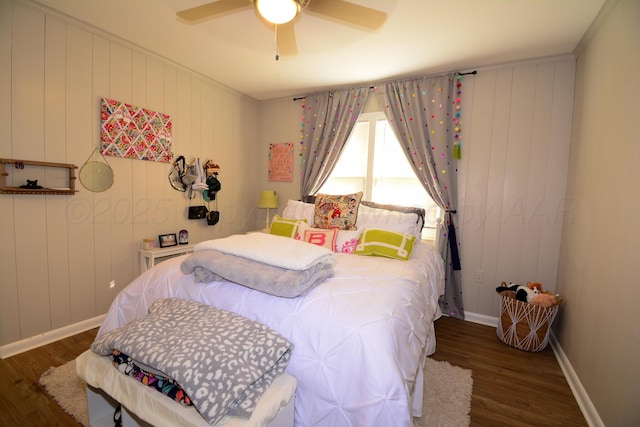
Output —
<point x="401" y="222"/>
<point x="299" y="210"/>
<point x="347" y="240"/>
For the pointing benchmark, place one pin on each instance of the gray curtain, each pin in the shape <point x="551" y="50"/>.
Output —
<point x="329" y="118"/>
<point x="425" y="116"/>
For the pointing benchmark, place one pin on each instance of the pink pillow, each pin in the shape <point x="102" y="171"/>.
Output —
<point x="320" y="237"/>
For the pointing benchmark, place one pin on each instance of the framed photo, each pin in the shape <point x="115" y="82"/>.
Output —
<point x="167" y="240"/>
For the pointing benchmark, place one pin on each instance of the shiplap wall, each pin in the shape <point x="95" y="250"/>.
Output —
<point x="512" y="179"/>
<point x="516" y="122"/>
<point x="59" y="253"/>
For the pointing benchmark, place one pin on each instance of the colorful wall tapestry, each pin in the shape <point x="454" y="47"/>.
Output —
<point x="134" y="132"/>
<point x="281" y="162"/>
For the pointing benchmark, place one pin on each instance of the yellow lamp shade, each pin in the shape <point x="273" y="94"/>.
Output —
<point x="268" y="199"/>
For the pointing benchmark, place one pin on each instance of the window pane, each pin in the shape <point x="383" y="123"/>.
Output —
<point x="342" y="185"/>
<point x="391" y="176"/>
<point x="389" y="157"/>
<point x="353" y="160"/>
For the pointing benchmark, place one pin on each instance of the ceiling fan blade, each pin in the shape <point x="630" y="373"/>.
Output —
<point x="287" y="40"/>
<point x="349" y="12"/>
<point x="210" y="10"/>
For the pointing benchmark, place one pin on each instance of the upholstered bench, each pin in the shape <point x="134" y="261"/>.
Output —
<point x="144" y="406"/>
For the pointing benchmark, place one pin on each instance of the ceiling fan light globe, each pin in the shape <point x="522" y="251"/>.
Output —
<point x="278" y="11"/>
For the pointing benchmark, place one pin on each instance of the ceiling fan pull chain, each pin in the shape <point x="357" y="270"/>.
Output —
<point x="276" y="36"/>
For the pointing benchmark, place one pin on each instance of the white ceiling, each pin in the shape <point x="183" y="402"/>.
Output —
<point x="419" y="37"/>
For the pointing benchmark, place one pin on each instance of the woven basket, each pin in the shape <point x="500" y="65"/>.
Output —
<point x="525" y="326"/>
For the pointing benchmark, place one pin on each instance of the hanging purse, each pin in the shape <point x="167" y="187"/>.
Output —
<point x="213" y="217"/>
<point x="197" y="212"/>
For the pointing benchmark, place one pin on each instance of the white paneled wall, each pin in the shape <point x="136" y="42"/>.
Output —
<point x="59" y="253"/>
<point x="516" y="137"/>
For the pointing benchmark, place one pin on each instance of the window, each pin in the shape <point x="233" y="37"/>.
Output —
<point x="373" y="162"/>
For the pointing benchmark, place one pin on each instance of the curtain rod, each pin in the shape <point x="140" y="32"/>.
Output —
<point x="474" y="72"/>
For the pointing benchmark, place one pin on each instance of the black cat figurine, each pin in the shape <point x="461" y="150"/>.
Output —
<point x="32" y="185"/>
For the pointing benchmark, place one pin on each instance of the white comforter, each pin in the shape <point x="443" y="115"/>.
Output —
<point x="360" y="338"/>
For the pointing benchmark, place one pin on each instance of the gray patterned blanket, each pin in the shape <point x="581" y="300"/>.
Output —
<point x="211" y="265"/>
<point x="222" y="360"/>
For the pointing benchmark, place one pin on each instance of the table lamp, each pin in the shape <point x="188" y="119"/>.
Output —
<point x="268" y="200"/>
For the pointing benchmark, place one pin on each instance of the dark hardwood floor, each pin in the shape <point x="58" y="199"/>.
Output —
<point x="23" y="401"/>
<point x="510" y="387"/>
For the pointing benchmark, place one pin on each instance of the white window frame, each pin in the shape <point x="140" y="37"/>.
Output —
<point x="429" y="230"/>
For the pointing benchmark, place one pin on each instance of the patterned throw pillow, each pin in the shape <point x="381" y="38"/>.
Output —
<point x="338" y="212"/>
<point x="284" y="227"/>
<point x="386" y="243"/>
<point x="317" y="236"/>
<point x="347" y="240"/>
<point x="321" y="237"/>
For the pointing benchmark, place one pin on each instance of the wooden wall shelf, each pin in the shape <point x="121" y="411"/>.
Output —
<point x="17" y="190"/>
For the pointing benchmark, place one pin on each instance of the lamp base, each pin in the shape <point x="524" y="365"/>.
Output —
<point x="267" y="220"/>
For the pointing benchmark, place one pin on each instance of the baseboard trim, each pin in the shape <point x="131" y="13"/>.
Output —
<point x="481" y="319"/>
<point x="579" y="393"/>
<point x="582" y="398"/>
<point x="48" y="337"/>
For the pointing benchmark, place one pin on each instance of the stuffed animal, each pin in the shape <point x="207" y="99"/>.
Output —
<point x="532" y="293"/>
<point x="545" y="299"/>
<point x="523" y="293"/>
<point x="536" y="287"/>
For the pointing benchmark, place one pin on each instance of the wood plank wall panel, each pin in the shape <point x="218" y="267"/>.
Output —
<point x="57" y="244"/>
<point x="100" y="71"/>
<point x="516" y="133"/>
<point x="225" y="200"/>
<point x="534" y="209"/>
<point x="121" y="77"/>
<point x="28" y="130"/>
<point x="557" y="210"/>
<point x="141" y="192"/>
<point x="54" y="73"/>
<point x="79" y="124"/>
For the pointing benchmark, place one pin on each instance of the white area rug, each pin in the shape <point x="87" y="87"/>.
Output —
<point x="68" y="389"/>
<point x="447" y="394"/>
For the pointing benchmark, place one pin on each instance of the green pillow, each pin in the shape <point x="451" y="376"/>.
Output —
<point x="284" y="226"/>
<point x="385" y="243"/>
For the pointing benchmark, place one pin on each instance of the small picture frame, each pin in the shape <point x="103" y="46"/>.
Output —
<point x="167" y="240"/>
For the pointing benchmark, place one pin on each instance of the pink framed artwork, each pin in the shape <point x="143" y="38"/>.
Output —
<point x="281" y="162"/>
<point x="134" y="132"/>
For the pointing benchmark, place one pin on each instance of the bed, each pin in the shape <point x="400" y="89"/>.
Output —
<point x="360" y="337"/>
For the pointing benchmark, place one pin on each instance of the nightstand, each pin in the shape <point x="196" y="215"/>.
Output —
<point x="151" y="257"/>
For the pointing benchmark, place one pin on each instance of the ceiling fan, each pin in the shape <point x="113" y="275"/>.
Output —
<point x="281" y="14"/>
